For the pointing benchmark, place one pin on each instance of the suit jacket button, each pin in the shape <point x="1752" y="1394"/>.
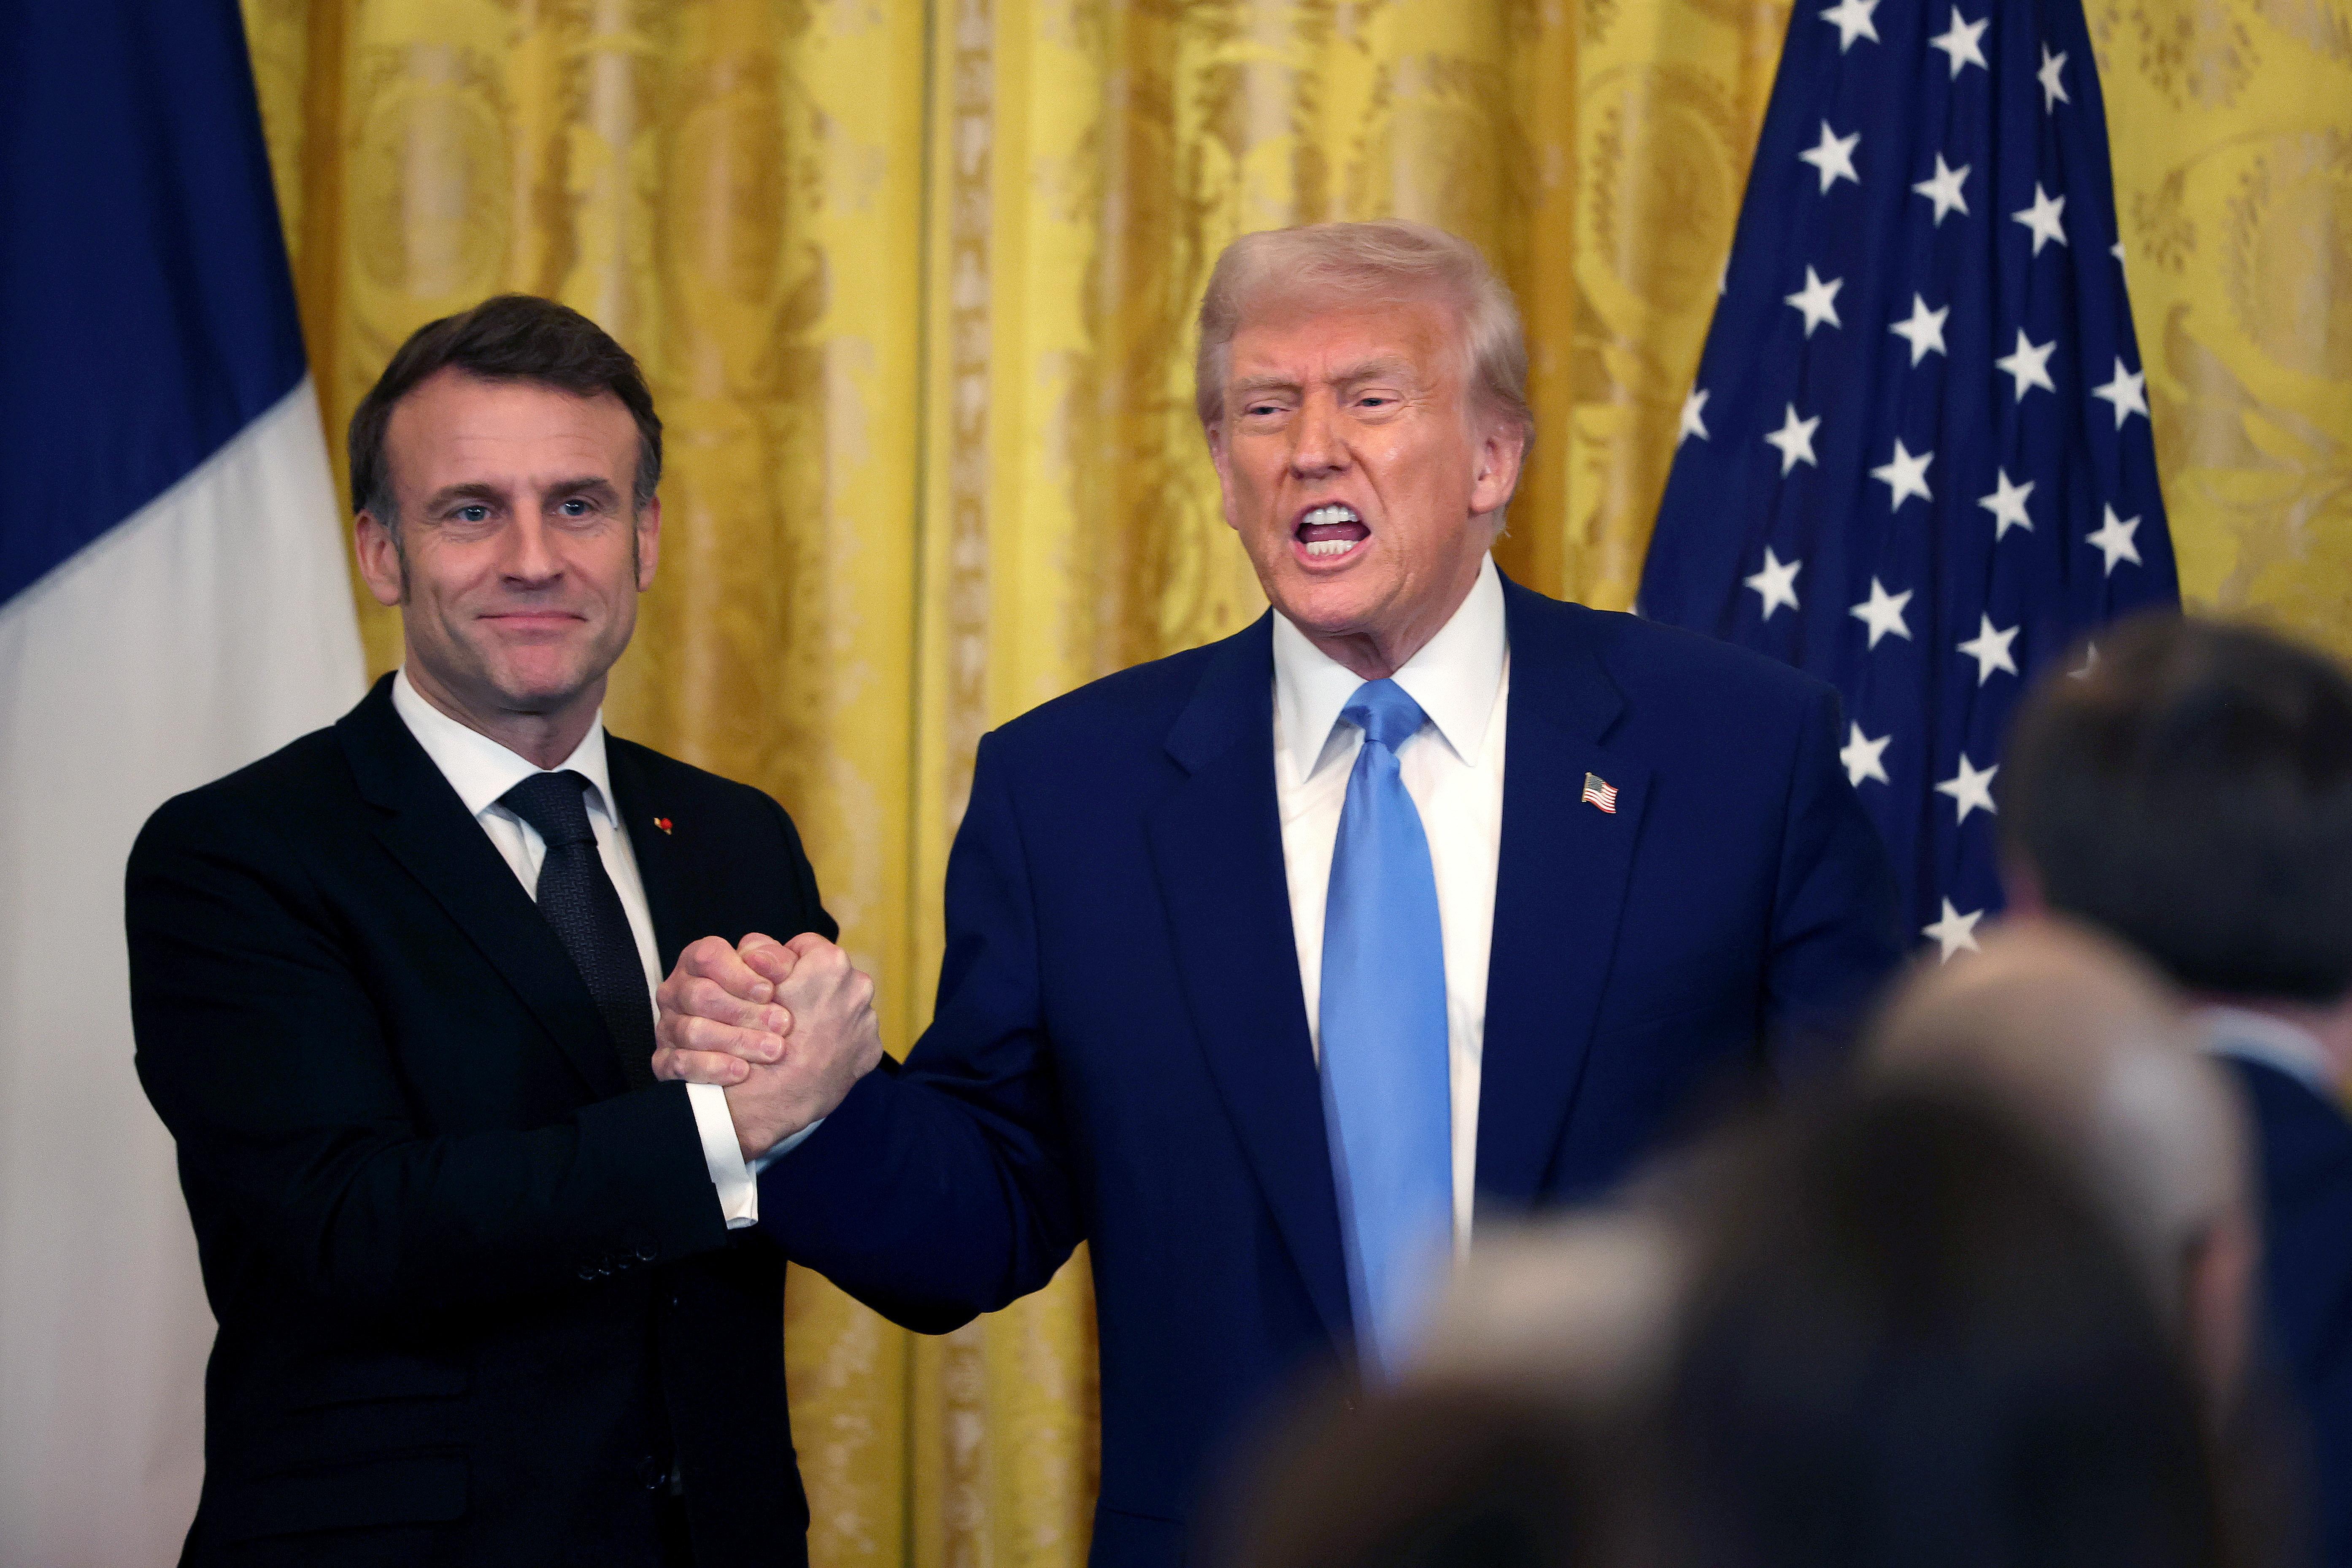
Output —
<point x="648" y="1252"/>
<point x="587" y="1271"/>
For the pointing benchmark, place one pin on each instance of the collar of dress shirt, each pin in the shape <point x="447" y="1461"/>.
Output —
<point x="2267" y="1038"/>
<point x="1455" y="678"/>
<point x="479" y="768"/>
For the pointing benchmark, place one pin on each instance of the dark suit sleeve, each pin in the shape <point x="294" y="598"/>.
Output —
<point x="1834" y="935"/>
<point x="803" y="877"/>
<point x="264" y="1050"/>
<point x="944" y="1189"/>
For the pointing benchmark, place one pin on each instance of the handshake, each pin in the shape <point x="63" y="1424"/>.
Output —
<point x="786" y="1028"/>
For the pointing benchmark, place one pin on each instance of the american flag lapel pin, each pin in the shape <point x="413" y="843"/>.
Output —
<point x="1599" y="792"/>
<point x="664" y="823"/>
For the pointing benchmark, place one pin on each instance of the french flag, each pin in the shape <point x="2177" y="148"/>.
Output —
<point x="173" y="604"/>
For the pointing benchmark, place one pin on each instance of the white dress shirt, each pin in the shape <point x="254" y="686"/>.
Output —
<point x="2267" y="1038"/>
<point x="480" y="771"/>
<point x="1452" y="769"/>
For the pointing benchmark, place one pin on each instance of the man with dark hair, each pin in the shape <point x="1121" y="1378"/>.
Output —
<point x="514" y="337"/>
<point x="2191" y="791"/>
<point x="486" y="1292"/>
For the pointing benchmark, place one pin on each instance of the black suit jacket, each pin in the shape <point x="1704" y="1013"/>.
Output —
<point x="2306" y="1166"/>
<point x="474" y="1294"/>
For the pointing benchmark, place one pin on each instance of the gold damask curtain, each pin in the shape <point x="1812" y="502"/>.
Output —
<point x="912" y="280"/>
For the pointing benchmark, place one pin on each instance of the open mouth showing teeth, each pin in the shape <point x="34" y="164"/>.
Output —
<point x="1332" y="531"/>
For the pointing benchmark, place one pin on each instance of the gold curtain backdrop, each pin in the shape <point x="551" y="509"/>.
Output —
<point x="912" y="282"/>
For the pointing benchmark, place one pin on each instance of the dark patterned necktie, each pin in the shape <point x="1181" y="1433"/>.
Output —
<point x="579" y="901"/>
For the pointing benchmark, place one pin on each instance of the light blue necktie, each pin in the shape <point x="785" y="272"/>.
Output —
<point x="1387" y="1094"/>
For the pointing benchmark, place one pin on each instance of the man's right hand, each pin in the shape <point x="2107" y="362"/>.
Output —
<point x="785" y="1027"/>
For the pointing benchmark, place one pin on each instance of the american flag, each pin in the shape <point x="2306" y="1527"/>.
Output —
<point x="1599" y="792"/>
<point x="1917" y="459"/>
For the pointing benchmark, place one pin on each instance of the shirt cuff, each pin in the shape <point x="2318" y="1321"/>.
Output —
<point x="739" y="1193"/>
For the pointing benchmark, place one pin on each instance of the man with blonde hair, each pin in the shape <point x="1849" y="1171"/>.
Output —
<point x="1263" y="976"/>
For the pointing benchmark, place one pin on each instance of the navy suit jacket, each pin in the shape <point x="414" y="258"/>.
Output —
<point x="1120" y="1053"/>
<point x="2307" y="1165"/>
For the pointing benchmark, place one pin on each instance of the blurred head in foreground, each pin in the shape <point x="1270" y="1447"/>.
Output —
<point x="2192" y="793"/>
<point x="1580" y="1310"/>
<point x="1439" y="1475"/>
<point x="1910" y="1340"/>
<point x="2084" y="1046"/>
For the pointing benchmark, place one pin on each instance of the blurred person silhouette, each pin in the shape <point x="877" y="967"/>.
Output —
<point x="1976" y="1314"/>
<point x="2067" y="1029"/>
<point x="2088" y="1047"/>
<point x="1436" y="1474"/>
<point x="2190" y="791"/>
<point x="1911" y="1340"/>
<point x="1580" y="1308"/>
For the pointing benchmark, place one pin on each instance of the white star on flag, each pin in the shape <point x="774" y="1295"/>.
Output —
<point x="1863" y="757"/>
<point x="2114" y="539"/>
<point x="1924" y="331"/>
<point x="1955" y="931"/>
<point x="1944" y="190"/>
<point x="1818" y="300"/>
<point x="2042" y="216"/>
<point x="1852" y="20"/>
<point x="2090" y="662"/>
<point x="1777" y="583"/>
<point x="2007" y="504"/>
<point x="1693" y="423"/>
<point x="1905" y="474"/>
<point x="1932" y="625"/>
<point x="1882" y="612"/>
<point x="1989" y="648"/>
<point x="1834" y="156"/>
<point x="2127" y="391"/>
<point x="1960" y="42"/>
<point x="1795" y="440"/>
<point x="1972" y="788"/>
<point x="2029" y="364"/>
<point x="2054" y="91"/>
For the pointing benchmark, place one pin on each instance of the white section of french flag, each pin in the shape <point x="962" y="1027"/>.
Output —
<point x="204" y="631"/>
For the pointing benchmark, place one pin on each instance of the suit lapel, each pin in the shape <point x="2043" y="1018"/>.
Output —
<point x="428" y="830"/>
<point x="1560" y="887"/>
<point x="654" y="846"/>
<point x="1216" y="846"/>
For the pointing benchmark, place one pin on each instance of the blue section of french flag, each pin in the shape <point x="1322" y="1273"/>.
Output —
<point x="148" y="315"/>
<point x="173" y="604"/>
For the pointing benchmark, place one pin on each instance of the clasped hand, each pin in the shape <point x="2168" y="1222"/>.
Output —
<point x="784" y="1028"/>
